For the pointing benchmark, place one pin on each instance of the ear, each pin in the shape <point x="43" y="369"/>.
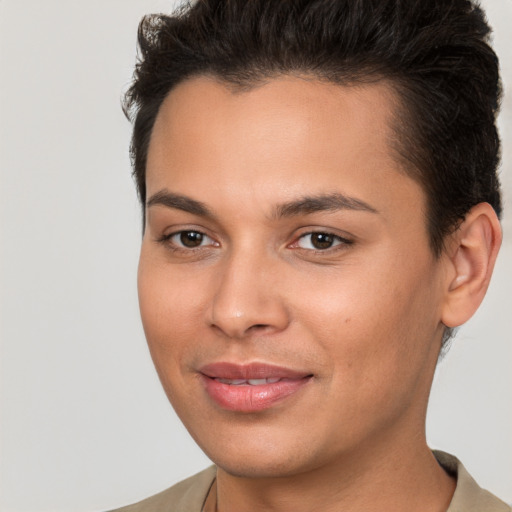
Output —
<point x="471" y="253"/>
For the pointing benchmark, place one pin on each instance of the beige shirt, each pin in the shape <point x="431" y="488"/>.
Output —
<point x="190" y="494"/>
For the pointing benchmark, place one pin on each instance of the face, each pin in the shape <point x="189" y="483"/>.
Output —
<point x="288" y="293"/>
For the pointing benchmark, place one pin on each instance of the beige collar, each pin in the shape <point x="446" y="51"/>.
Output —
<point x="210" y="504"/>
<point x="468" y="496"/>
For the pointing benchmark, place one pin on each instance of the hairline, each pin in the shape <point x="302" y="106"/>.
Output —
<point x="363" y="78"/>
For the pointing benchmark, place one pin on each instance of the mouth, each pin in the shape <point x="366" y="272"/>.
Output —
<point x="250" y="382"/>
<point x="253" y="387"/>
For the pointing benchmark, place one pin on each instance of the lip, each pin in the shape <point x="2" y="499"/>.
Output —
<point x="246" y="397"/>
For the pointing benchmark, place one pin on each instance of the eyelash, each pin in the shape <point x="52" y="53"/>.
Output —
<point x="338" y="241"/>
<point x="167" y="240"/>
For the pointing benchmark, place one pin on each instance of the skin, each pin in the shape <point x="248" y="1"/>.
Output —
<point x="363" y="317"/>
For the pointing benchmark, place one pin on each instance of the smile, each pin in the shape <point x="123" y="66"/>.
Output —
<point x="251" y="388"/>
<point x="250" y="382"/>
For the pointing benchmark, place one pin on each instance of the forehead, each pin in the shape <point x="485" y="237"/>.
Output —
<point x="302" y="93"/>
<point x="304" y="112"/>
<point x="277" y="140"/>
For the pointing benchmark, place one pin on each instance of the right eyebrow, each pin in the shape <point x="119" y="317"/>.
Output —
<point x="179" y="202"/>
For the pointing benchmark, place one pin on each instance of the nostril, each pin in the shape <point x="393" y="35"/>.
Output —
<point x="261" y="328"/>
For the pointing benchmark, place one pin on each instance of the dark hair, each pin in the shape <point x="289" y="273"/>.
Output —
<point x="434" y="53"/>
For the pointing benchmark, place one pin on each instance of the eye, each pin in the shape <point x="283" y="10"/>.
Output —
<point x="319" y="241"/>
<point x="190" y="239"/>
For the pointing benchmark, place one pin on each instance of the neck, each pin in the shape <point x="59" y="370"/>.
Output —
<point x="405" y="479"/>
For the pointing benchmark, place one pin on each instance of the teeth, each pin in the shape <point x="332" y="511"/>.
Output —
<point x="251" y="382"/>
<point x="233" y="382"/>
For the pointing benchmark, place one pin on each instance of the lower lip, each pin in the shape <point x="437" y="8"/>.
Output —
<point x="248" y="398"/>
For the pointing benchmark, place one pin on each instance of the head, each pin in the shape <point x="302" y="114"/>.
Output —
<point x="350" y="140"/>
<point x="434" y="54"/>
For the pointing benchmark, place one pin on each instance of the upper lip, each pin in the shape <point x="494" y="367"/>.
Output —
<point x="255" y="370"/>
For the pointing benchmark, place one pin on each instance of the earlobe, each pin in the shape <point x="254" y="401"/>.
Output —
<point x="473" y="250"/>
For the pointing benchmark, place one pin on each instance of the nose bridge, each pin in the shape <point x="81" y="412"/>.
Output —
<point x="246" y="298"/>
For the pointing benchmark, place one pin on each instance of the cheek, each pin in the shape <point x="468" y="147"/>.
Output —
<point x="376" y="350"/>
<point x="168" y="317"/>
<point x="170" y="308"/>
<point x="375" y="321"/>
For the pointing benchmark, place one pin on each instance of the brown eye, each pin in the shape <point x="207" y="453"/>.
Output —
<point x="319" y="241"/>
<point x="187" y="240"/>
<point x="191" y="239"/>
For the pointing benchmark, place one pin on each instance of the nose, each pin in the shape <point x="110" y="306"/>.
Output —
<point x="247" y="298"/>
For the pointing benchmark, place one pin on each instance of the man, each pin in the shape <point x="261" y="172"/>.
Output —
<point x="318" y="181"/>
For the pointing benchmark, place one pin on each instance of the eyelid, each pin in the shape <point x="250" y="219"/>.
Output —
<point x="167" y="239"/>
<point x="341" y="241"/>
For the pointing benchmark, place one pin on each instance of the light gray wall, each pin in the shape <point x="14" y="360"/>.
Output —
<point x="84" y="423"/>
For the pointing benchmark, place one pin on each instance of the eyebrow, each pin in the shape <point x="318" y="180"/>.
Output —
<point x="303" y="206"/>
<point x="179" y="202"/>
<point x="321" y="203"/>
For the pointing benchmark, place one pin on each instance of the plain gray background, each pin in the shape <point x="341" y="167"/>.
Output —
<point x="84" y="423"/>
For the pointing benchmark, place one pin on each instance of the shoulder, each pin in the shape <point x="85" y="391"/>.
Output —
<point x="468" y="496"/>
<point x="186" y="496"/>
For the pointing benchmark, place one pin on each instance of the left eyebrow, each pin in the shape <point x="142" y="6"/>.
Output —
<point x="322" y="203"/>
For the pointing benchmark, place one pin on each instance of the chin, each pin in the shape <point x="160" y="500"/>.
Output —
<point x="261" y="457"/>
<point x="272" y="467"/>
